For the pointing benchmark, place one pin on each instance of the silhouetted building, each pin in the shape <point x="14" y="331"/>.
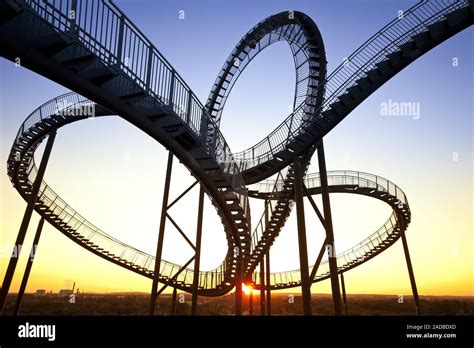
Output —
<point x="65" y="292"/>
<point x="40" y="293"/>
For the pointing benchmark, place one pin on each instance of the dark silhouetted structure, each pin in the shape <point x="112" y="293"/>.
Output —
<point x="116" y="70"/>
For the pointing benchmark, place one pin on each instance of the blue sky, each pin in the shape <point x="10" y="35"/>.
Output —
<point x="415" y="154"/>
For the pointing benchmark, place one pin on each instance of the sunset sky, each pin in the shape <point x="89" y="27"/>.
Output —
<point x="113" y="174"/>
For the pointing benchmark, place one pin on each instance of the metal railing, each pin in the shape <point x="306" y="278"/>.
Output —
<point x="245" y="51"/>
<point x="361" y="250"/>
<point x="261" y="226"/>
<point x="387" y="40"/>
<point x="107" y="32"/>
<point x="341" y="177"/>
<point x="84" y="231"/>
<point x="358" y="253"/>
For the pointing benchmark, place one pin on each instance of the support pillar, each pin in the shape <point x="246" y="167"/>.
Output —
<point x="197" y="259"/>
<point x="7" y="280"/>
<point x="238" y="286"/>
<point x="161" y="235"/>
<point x="303" y="249"/>
<point x="269" y="295"/>
<point x="251" y="302"/>
<point x="411" y="274"/>
<point x="343" y="286"/>
<point x="336" y="294"/>
<point x="29" y="264"/>
<point x="262" y="287"/>
<point x="173" y="301"/>
<point x="267" y="266"/>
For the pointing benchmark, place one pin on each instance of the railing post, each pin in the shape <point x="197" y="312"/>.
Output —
<point x="72" y="19"/>
<point x="203" y="126"/>
<point x="172" y="82"/>
<point x="26" y="221"/>
<point x="188" y="111"/>
<point x="148" y="68"/>
<point x="120" y="40"/>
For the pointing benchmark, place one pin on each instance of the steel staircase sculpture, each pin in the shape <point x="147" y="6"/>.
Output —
<point x="100" y="54"/>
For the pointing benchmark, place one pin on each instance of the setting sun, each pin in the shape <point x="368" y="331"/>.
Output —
<point x="247" y="288"/>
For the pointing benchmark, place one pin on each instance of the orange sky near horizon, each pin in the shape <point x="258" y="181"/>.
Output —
<point x="113" y="174"/>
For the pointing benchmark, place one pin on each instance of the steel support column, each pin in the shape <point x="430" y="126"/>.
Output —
<point x="173" y="301"/>
<point x="303" y="249"/>
<point x="197" y="259"/>
<point x="262" y="287"/>
<point x="344" y="298"/>
<point x="7" y="280"/>
<point x="29" y="264"/>
<point x="267" y="265"/>
<point x="238" y="285"/>
<point x="336" y="294"/>
<point x="161" y="235"/>
<point x="251" y="302"/>
<point x="411" y="273"/>
<point x="267" y="273"/>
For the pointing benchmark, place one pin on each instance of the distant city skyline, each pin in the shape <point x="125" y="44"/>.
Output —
<point x="429" y="155"/>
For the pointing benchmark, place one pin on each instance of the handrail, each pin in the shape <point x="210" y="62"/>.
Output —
<point x="261" y="225"/>
<point x="349" y="255"/>
<point x="378" y="182"/>
<point x="346" y="177"/>
<point x="374" y="50"/>
<point x="120" y="44"/>
<point x="80" y="224"/>
<point x="152" y="72"/>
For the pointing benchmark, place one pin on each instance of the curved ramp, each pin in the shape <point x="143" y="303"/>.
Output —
<point x="103" y="56"/>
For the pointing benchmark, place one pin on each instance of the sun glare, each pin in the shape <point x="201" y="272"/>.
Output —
<point x="247" y="288"/>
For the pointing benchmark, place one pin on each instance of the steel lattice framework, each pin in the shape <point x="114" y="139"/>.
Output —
<point x="114" y="69"/>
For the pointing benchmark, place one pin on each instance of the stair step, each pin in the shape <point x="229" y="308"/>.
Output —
<point x="385" y="66"/>
<point x="338" y="107"/>
<point x="133" y="97"/>
<point x="438" y="29"/>
<point x="356" y="91"/>
<point x="51" y="44"/>
<point x="395" y="57"/>
<point x="100" y="75"/>
<point x="208" y="164"/>
<point x="157" y="116"/>
<point x="347" y="100"/>
<point x="459" y="16"/>
<point x="79" y="62"/>
<point x="422" y="39"/>
<point x="365" y="83"/>
<point x="375" y="75"/>
<point x="408" y="48"/>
